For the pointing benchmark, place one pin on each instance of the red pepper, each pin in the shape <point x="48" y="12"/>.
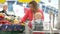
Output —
<point x="1" y="16"/>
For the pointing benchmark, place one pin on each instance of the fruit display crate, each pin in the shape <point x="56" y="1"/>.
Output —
<point x="11" y="29"/>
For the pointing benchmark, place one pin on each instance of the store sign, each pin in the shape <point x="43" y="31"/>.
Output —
<point x="24" y="1"/>
<point x="2" y="1"/>
<point x="46" y="9"/>
<point x="37" y="0"/>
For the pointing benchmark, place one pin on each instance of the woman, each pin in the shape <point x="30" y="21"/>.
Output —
<point x="30" y="12"/>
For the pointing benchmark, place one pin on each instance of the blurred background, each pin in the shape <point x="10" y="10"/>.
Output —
<point x="15" y="7"/>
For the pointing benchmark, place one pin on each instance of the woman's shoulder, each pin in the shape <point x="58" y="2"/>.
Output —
<point x="28" y="10"/>
<point x="40" y="10"/>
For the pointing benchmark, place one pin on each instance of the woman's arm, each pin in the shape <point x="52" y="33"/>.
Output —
<point x="25" y="17"/>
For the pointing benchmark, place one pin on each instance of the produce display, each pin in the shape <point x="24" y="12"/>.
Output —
<point x="10" y="23"/>
<point x="1" y="15"/>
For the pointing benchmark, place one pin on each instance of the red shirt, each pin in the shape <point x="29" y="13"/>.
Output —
<point x="29" y="14"/>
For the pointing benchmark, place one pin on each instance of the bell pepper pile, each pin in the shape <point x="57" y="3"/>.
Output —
<point x="10" y="24"/>
<point x="1" y="16"/>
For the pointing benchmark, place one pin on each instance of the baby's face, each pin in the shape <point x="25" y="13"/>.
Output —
<point x="38" y="16"/>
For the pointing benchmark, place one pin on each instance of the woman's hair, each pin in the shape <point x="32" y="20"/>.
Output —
<point x="34" y="4"/>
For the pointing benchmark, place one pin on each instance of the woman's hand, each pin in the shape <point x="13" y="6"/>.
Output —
<point x="22" y="23"/>
<point x="30" y="24"/>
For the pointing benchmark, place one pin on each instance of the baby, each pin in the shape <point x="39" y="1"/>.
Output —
<point x="38" y="16"/>
<point x="37" y="23"/>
